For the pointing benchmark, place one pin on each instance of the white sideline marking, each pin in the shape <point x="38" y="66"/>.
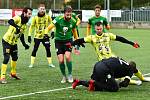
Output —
<point x="28" y="94"/>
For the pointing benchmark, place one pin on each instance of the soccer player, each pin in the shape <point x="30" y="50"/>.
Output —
<point x="105" y="72"/>
<point x="65" y="26"/>
<point x="97" y="18"/>
<point x="38" y="24"/>
<point x="101" y="41"/>
<point x="9" y="42"/>
<point x="78" y="21"/>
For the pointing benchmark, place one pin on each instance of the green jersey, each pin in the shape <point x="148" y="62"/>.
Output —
<point x="10" y="36"/>
<point x="95" y="19"/>
<point x="64" y="28"/>
<point x="101" y="44"/>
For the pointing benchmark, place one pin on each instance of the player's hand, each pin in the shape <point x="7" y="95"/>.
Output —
<point x="17" y="30"/>
<point x="82" y="45"/>
<point x="26" y="46"/>
<point x="124" y="83"/>
<point x="46" y="37"/>
<point x="136" y="45"/>
<point x="52" y="35"/>
<point x="29" y="39"/>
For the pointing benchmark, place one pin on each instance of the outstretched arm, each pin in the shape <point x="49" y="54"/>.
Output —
<point x="123" y="40"/>
<point x="79" y="42"/>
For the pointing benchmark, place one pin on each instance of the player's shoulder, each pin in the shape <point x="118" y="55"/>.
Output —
<point x="91" y="18"/>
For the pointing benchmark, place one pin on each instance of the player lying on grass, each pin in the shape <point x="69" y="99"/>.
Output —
<point x="101" y="43"/>
<point x="105" y="72"/>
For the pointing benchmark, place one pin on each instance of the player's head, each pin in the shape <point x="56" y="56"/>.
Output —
<point x="67" y="12"/>
<point x="97" y="10"/>
<point x="41" y="9"/>
<point x="26" y="14"/>
<point x="132" y="64"/>
<point x="98" y="27"/>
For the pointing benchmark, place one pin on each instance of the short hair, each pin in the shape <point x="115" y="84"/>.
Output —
<point x="41" y="5"/>
<point x="67" y="8"/>
<point x="98" y="23"/>
<point x="26" y="9"/>
<point x="97" y="6"/>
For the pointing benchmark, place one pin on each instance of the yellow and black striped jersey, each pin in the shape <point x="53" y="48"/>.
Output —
<point x="10" y="36"/>
<point x="39" y="24"/>
<point x="101" y="44"/>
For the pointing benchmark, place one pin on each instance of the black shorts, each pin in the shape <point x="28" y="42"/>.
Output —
<point x="9" y="49"/>
<point x="61" y="46"/>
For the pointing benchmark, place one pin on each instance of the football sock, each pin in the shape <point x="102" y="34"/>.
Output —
<point x="139" y="75"/>
<point x="3" y="71"/>
<point x="69" y="66"/>
<point x="62" y="69"/>
<point x="32" y="60"/>
<point x="13" y="67"/>
<point x="49" y="60"/>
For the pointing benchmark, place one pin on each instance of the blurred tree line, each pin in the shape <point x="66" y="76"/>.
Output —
<point x="84" y="4"/>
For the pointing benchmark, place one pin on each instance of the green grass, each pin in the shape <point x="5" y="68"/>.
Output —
<point x="41" y="77"/>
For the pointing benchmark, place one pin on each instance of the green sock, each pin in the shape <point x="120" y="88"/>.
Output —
<point x="69" y="66"/>
<point x="62" y="69"/>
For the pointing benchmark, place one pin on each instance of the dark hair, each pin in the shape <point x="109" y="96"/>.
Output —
<point x="98" y="23"/>
<point x="41" y="4"/>
<point x="26" y="9"/>
<point x="97" y="6"/>
<point x="67" y="8"/>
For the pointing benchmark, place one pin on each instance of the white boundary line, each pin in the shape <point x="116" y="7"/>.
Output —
<point x="28" y="94"/>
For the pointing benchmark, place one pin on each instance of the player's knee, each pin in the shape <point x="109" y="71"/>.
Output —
<point x="15" y="58"/>
<point x="6" y="58"/>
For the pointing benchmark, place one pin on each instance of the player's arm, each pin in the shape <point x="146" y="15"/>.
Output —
<point x="13" y="22"/>
<point x="23" y="42"/>
<point x="124" y="40"/>
<point x="125" y="82"/>
<point x="88" y="29"/>
<point x="107" y="26"/>
<point x="49" y="28"/>
<point x="31" y="28"/>
<point x="75" y="34"/>
<point x="78" y="20"/>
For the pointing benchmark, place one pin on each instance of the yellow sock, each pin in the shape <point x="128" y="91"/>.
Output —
<point x="32" y="60"/>
<point x="133" y="82"/>
<point x="139" y="75"/>
<point x="3" y="71"/>
<point x="49" y="60"/>
<point x="13" y="67"/>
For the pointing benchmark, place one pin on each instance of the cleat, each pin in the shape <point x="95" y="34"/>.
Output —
<point x="75" y="83"/>
<point x="15" y="76"/>
<point x="91" y="85"/>
<point x="30" y="66"/>
<point x="63" y="80"/>
<point x="3" y="81"/>
<point x="146" y="79"/>
<point x="70" y="79"/>
<point x="51" y="65"/>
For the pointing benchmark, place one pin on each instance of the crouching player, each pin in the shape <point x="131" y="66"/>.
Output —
<point x="105" y="72"/>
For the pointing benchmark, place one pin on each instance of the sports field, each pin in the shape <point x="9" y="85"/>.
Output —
<point x="43" y="83"/>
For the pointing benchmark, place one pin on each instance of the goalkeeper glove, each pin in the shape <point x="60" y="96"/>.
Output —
<point x="26" y="46"/>
<point x="136" y="45"/>
<point x="52" y="35"/>
<point x="124" y="83"/>
<point x="17" y="30"/>
<point x="46" y="37"/>
<point x="29" y="39"/>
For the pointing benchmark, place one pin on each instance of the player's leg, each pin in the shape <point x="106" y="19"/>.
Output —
<point x="6" y="54"/>
<point x="68" y="51"/>
<point x="60" y="56"/>
<point x="77" y="82"/>
<point x="35" y="48"/>
<point x="14" y="55"/>
<point x="138" y="72"/>
<point x="48" y="52"/>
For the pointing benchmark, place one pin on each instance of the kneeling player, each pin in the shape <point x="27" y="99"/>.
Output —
<point x="105" y="72"/>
